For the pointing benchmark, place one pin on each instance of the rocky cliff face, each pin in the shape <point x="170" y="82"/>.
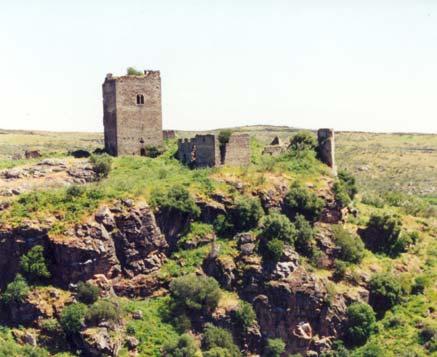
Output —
<point x="117" y="242"/>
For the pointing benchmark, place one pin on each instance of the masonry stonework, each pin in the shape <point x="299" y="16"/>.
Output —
<point x="326" y="147"/>
<point x="132" y="114"/>
<point x="206" y="151"/>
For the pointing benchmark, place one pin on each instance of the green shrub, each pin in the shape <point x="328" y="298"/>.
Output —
<point x="245" y="315"/>
<point x="304" y="243"/>
<point x="175" y="199"/>
<point x="102" y="165"/>
<point x="195" y="293"/>
<point x="299" y="200"/>
<point x="75" y="191"/>
<point x="224" y="136"/>
<point x="184" y="346"/>
<point x="420" y="283"/>
<point x="348" y="182"/>
<point x="72" y="317"/>
<point x="246" y="213"/>
<point x="214" y="337"/>
<point x="196" y="235"/>
<point x="275" y="347"/>
<point x="222" y="226"/>
<point x="371" y="350"/>
<point x="87" y="293"/>
<point x="383" y="233"/>
<point x="303" y="140"/>
<point x="51" y="326"/>
<point x="340" y="269"/>
<point x="341" y="194"/>
<point x="272" y="250"/>
<point x="374" y="200"/>
<point x="217" y="352"/>
<point x="102" y="310"/>
<point x="427" y="334"/>
<point x="351" y="246"/>
<point x="385" y="292"/>
<point x="33" y="264"/>
<point x="131" y="71"/>
<point x="360" y="323"/>
<point x="16" y="291"/>
<point x="277" y="226"/>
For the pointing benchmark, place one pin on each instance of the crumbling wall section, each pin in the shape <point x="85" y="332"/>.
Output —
<point x="237" y="150"/>
<point x="326" y="148"/>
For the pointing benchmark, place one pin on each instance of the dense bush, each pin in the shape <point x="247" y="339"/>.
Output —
<point x="341" y="194"/>
<point x="360" y="323"/>
<point x="152" y="151"/>
<point x="374" y="200"/>
<point x="272" y="250"/>
<point x="16" y="291"/>
<point x="102" y="310"/>
<point x="274" y="348"/>
<point x="33" y="264"/>
<point x="72" y="318"/>
<point x="277" y="226"/>
<point x="299" y="200"/>
<point x="224" y="136"/>
<point x="131" y="71"/>
<point x="420" y="283"/>
<point x="216" y="337"/>
<point x="340" y="269"/>
<point x="195" y="293"/>
<point x="87" y="293"/>
<point x="351" y="246"/>
<point x="222" y="226"/>
<point x="383" y="232"/>
<point x="303" y="140"/>
<point x="175" y="199"/>
<point x="385" y="292"/>
<point x="304" y="243"/>
<point x="245" y="315"/>
<point x="184" y="346"/>
<point x="348" y="182"/>
<point x="102" y="164"/>
<point x="246" y="213"/>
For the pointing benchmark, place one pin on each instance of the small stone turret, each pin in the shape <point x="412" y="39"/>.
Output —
<point x="327" y="148"/>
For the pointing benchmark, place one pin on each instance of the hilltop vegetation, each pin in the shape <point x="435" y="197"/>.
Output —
<point x="283" y="227"/>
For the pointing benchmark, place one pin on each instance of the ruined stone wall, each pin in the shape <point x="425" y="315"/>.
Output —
<point x="237" y="150"/>
<point x="200" y="151"/>
<point x="138" y="125"/>
<point x="169" y="134"/>
<point x="110" y="116"/>
<point x="326" y="147"/>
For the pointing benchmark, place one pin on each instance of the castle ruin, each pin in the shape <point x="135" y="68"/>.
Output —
<point x="207" y="151"/>
<point x="132" y="115"/>
<point x="326" y="148"/>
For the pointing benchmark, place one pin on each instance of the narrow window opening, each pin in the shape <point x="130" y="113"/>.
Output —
<point x="138" y="99"/>
<point x="142" y="99"/>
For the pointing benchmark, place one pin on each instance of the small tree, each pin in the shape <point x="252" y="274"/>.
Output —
<point x="246" y="213"/>
<point x="274" y="348"/>
<point x="385" y="292"/>
<point x="214" y="337"/>
<point x="184" y="346"/>
<point x="245" y="315"/>
<point x="87" y="293"/>
<point x="351" y="246"/>
<point x="16" y="291"/>
<point x="224" y="136"/>
<point x="72" y="318"/>
<point x="277" y="226"/>
<point x="102" y="165"/>
<point x="195" y="293"/>
<point x="299" y="200"/>
<point x="33" y="264"/>
<point x="304" y="236"/>
<point x="360" y="323"/>
<point x="176" y="199"/>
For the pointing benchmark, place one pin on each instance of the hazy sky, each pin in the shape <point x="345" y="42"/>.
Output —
<point x="351" y="65"/>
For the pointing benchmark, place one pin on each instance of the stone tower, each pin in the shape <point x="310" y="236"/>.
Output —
<point x="132" y="115"/>
<point x="327" y="148"/>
